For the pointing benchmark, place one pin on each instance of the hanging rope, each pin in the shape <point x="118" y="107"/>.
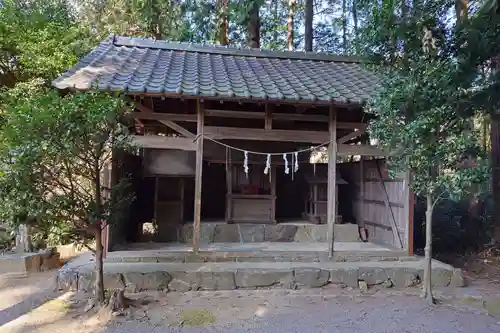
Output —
<point x="262" y="153"/>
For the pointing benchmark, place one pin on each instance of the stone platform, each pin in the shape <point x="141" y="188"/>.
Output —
<point x="222" y="232"/>
<point x="255" y="252"/>
<point x="259" y="265"/>
<point x="134" y="277"/>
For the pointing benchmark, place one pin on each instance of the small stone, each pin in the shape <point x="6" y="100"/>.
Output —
<point x="363" y="286"/>
<point x="90" y="305"/>
<point x="457" y="278"/>
<point x="117" y="313"/>
<point x="387" y="284"/>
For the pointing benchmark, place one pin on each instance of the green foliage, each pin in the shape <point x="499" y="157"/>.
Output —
<point x="54" y="151"/>
<point x="38" y="39"/>
<point x="417" y="109"/>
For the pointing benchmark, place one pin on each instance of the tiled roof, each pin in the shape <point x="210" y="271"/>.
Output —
<point x="137" y="65"/>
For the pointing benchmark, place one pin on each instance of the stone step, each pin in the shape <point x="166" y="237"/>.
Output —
<point x="251" y="256"/>
<point x="135" y="277"/>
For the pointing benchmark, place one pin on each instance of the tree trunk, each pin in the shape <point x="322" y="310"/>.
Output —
<point x="223" y="22"/>
<point x="355" y="22"/>
<point x="427" y="288"/>
<point x="99" y="250"/>
<point x="253" y="27"/>
<point x="308" y="26"/>
<point x="344" y="25"/>
<point x="291" y="13"/>
<point x="461" y="9"/>
<point x="495" y="179"/>
<point x="97" y="229"/>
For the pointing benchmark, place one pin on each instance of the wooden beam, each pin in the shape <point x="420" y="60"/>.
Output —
<point x="332" y="182"/>
<point x="353" y="135"/>
<point x="258" y="134"/>
<point x="361" y="150"/>
<point x="240" y="115"/>
<point x="280" y="116"/>
<point x="179" y="129"/>
<point x="163" y="142"/>
<point x="198" y="176"/>
<point x="164" y="116"/>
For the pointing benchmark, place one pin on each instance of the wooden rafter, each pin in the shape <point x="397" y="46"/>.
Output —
<point x="144" y="110"/>
<point x="259" y="134"/>
<point x="179" y="129"/>
<point x="352" y="135"/>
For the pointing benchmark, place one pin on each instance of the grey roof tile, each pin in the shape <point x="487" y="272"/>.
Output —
<point x="139" y="65"/>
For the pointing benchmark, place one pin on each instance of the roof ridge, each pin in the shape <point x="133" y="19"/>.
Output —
<point x="142" y="42"/>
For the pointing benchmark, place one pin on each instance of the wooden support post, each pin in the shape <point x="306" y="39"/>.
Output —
<point x="268" y="122"/>
<point x="332" y="181"/>
<point x="198" y="177"/>
<point x="361" y="222"/>
<point x="229" y="186"/>
<point x="182" y="190"/>
<point x="273" y="194"/>
<point x="155" y="215"/>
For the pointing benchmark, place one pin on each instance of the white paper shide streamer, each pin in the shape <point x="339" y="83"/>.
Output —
<point x="268" y="164"/>
<point x="245" y="163"/>
<point x="287" y="169"/>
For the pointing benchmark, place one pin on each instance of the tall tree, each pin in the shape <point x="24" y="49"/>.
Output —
<point x="344" y="26"/>
<point x="308" y="25"/>
<point x="223" y="9"/>
<point x="253" y="23"/>
<point x="54" y="151"/>
<point x="290" y="25"/>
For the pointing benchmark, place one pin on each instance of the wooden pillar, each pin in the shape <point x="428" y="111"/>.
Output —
<point x="273" y="194"/>
<point x="198" y="176"/>
<point x="361" y="222"/>
<point x="332" y="181"/>
<point x="229" y="187"/>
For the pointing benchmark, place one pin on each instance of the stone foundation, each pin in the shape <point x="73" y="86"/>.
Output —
<point x="228" y="276"/>
<point x="255" y="233"/>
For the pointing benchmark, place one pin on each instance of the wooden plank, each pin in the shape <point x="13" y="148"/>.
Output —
<point x="164" y="116"/>
<point x="381" y="202"/>
<point x="179" y="129"/>
<point x="332" y="174"/>
<point x="377" y="225"/>
<point x="163" y="142"/>
<point x="392" y="219"/>
<point x="198" y="177"/>
<point x="258" y="134"/>
<point x="280" y="116"/>
<point x="352" y="135"/>
<point x="361" y="150"/>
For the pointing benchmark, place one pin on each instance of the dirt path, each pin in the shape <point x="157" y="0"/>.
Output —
<point x="29" y="304"/>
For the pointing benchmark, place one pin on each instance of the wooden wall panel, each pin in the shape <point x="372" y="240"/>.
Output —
<point x="375" y="216"/>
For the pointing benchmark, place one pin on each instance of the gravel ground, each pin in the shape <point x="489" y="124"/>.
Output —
<point x="29" y="305"/>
